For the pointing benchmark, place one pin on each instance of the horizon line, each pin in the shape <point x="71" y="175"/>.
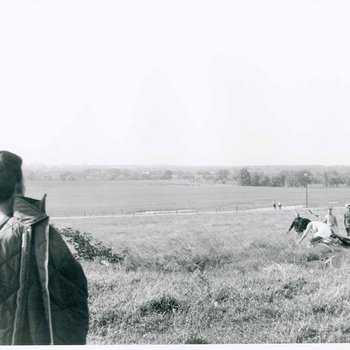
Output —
<point x="179" y="165"/>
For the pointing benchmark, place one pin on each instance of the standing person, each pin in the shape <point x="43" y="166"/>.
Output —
<point x="43" y="289"/>
<point x="347" y="219"/>
<point x="279" y="206"/>
<point x="331" y="221"/>
<point x="274" y="205"/>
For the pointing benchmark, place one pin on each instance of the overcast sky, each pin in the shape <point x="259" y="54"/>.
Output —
<point x="175" y="82"/>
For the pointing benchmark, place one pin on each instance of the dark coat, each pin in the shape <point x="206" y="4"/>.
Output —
<point x="299" y="224"/>
<point x="43" y="289"/>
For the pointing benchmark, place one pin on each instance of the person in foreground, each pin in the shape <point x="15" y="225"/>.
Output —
<point x="43" y="289"/>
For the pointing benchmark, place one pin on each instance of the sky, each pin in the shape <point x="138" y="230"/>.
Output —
<point x="182" y="82"/>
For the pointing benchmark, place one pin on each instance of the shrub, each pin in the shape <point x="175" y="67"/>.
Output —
<point x="195" y="340"/>
<point x="87" y="248"/>
<point x="308" y="335"/>
<point x="163" y="305"/>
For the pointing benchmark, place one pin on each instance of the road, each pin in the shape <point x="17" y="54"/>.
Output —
<point x="180" y="212"/>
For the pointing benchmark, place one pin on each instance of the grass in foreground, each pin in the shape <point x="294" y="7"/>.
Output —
<point x="216" y="279"/>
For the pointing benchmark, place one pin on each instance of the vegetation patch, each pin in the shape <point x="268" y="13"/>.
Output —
<point x="202" y="262"/>
<point x="289" y="290"/>
<point x="223" y="294"/>
<point x="87" y="248"/>
<point x="106" y="318"/>
<point x="198" y="279"/>
<point x="308" y="335"/>
<point x="163" y="305"/>
<point x="196" y="340"/>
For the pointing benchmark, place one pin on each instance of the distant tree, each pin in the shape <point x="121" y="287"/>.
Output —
<point x="67" y="176"/>
<point x="266" y="181"/>
<point x="260" y="179"/>
<point x="336" y="180"/>
<point x="304" y="177"/>
<point x="222" y="176"/>
<point x="346" y="180"/>
<point x="291" y="179"/>
<point x="243" y="177"/>
<point x="283" y="176"/>
<point x="277" y="181"/>
<point x="255" y="179"/>
<point x="168" y="175"/>
<point x="326" y="178"/>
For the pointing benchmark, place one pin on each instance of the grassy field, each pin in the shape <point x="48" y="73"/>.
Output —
<point x="217" y="278"/>
<point x="77" y="198"/>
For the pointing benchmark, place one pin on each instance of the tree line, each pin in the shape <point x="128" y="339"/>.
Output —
<point x="241" y="176"/>
<point x="298" y="178"/>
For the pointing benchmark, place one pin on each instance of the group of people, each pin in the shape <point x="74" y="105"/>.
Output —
<point x="322" y="230"/>
<point x="43" y="289"/>
<point x="274" y="206"/>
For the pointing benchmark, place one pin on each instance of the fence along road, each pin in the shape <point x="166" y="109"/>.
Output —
<point x="180" y="212"/>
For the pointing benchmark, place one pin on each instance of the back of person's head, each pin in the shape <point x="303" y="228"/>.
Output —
<point x="11" y="176"/>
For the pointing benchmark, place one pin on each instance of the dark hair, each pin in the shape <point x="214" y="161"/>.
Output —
<point x="11" y="176"/>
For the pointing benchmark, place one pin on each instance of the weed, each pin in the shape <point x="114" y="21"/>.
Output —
<point x="307" y="335"/>
<point x="87" y="248"/>
<point x="163" y="305"/>
<point x="195" y="340"/>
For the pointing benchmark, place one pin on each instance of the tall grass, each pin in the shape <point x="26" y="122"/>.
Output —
<point x="217" y="279"/>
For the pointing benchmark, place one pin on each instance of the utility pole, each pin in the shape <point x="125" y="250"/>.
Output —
<point x="306" y="192"/>
<point x="307" y="199"/>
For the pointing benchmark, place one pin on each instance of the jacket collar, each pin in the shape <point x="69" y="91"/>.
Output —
<point x="28" y="210"/>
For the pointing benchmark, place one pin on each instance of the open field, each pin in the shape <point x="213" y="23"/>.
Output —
<point x="215" y="279"/>
<point x="69" y="198"/>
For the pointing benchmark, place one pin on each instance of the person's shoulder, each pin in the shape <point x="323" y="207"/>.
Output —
<point x="14" y="223"/>
<point x="54" y="232"/>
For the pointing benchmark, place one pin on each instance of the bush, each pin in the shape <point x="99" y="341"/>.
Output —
<point x="195" y="340"/>
<point x="87" y="248"/>
<point x="163" y="305"/>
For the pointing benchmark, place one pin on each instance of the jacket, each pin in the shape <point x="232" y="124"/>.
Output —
<point x="299" y="224"/>
<point x="43" y="289"/>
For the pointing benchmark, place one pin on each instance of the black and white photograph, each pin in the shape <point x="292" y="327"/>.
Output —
<point x="174" y="172"/>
